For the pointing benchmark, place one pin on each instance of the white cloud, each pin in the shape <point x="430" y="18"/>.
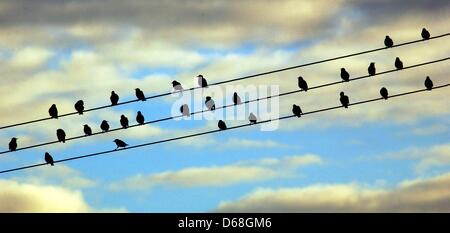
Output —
<point x="30" y="57"/>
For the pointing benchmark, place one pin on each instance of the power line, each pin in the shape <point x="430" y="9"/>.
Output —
<point x="232" y="80"/>
<point x="230" y="105"/>
<point x="218" y="130"/>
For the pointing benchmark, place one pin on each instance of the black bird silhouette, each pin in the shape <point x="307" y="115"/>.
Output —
<point x="79" y="106"/>
<point x="120" y="143"/>
<point x="428" y="83"/>
<point x="210" y="103"/>
<point x="222" y="125"/>
<point x="177" y="86"/>
<point x="252" y="118"/>
<point x="398" y="64"/>
<point x="13" y="144"/>
<point x="53" y="111"/>
<point x="114" y="98"/>
<point x="140" y="118"/>
<point x="140" y="95"/>
<point x="384" y="93"/>
<point x="61" y="135"/>
<point x="236" y="99"/>
<point x="184" y="109"/>
<point x="371" y="69"/>
<point x="104" y="126"/>
<point x="297" y="110"/>
<point x="201" y="81"/>
<point x="345" y="75"/>
<point x="344" y="100"/>
<point x="87" y="130"/>
<point x="48" y="159"/>
<point x="425" y="34"/>
<point x="388" y="42"/>
<point x="124" y="121"/>
<point x="302" y="84"/>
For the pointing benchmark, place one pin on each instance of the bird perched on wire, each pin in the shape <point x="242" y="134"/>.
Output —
<point x="371" y="69"/>
<point x="297" y="110"/>
<point x="428" y="83"/>
<point x="124" y="121"/>
<point x="344" y="100"/>
<point x="388" y="42"/>
<point x="302" y="84"/>
<point x="384" y="93"/>
<point x="252" y="118"/>
<point x="87" y="130"/>
<point x="61" y="135"/>
<point x="13" y="144"/>
<point x="425" y="34"/>
<point x="104" y="126"/>
<point x="201" y="81"/>
<point x="209" y="102"/>
<point x="184" y="109"/>
<point x="177" y="86"/>
<point x="140" y="118"/>
<point x="53" y="111"/>
<point x="236" y="99"/>
<point x="140" y="94"/>
<point x="79" y="106"/>
<point x="120" y="143"/>
<point x="48" y="159"/>
<point x="398" y="64"/>
<point x="114" y="98"/>
<point x="221" y="124"/>
<point x="345" y="75"/>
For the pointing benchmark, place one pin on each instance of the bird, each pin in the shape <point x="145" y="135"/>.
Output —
<point x="398" y="64"/>
<point x="297" y="110"/>
<point x="79" y="106"/>
<point x="221" y="124"/>
<point x="139" y="94"/>
<point x="104" y="126"/>
<point x="140" y="118"/>
<point x="344" y="100"/>
<point x="124" y="121"/>
<point x="53" y="111"/>
<point x="388" y="42"/>
<point x="302" y="84"/>
<point x="384" y="93"/>
<point x="371" y="69"/>
<point x="184" y="109"/>
<point x="210" y="103"/>
<point x="87" y="130"/>
<point x="114" y="98"/>
<point x="61" y="135"/>
<point x="252" y="118"/>
<point x="13" y="144"/>
<point x="236" y="99"/>
<point x="201" y="81"/>
<point x="48" y="159"/>
<point x="345" y="75"/>
<point x="177" y="86"/>
<point x="428" y="83"/>
<point x="120" y="143"/>
<point x="425" y="34"/>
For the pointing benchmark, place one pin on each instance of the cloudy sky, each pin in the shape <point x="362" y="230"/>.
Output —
<point x="385" y="156"/>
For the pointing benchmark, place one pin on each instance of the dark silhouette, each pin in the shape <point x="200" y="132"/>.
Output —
<point x="210" y="103"/>
<point x="48" y="159"/>
<point x="61" y="135"/>
<point x="252" y="118"/>
<point x="344" y="100"/>
<point x="297" y="110"/>
<point x="388" y="42"/>
<point x="236" y="99"/>
<point x="13" y="144"/>
<point x="87" y="130"/>
<point x="428" y="83"/>
<point x="302" y="84"/>
<point x="79" y="106"/>
<point x="222" y="125"/>
<point x="184" y="109"/>
<point x="124" y="121"/>
<point x="177" y="86"/>
<point x="104" y="126"/>
<point x="120" y="143"/>
<point x="384" y="93"/>
<point x="201" y="81"/>
<point x="425" y="34"/>
<point x="345" y="75"/>
<point x="371" y="69"/>
<point x="53" y="111"/>
<point x="140" y="118"/>
<point x="114" y="98"/>
<point x="398" y="64"/>
<point x="140" y="95"/>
